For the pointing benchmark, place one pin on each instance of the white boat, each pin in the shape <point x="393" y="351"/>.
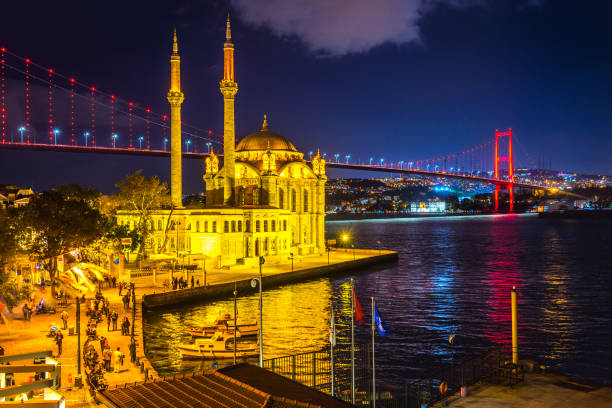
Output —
<point x="219" y="346"/>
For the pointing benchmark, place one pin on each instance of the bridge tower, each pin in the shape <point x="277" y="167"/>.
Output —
<point x="175" y="98"/>
<point x="506" y="183"/>
<point x="228" y="88"/>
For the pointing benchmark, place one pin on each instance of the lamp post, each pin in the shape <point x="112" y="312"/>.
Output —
<point x="347" y="157"/>
<point x="291" y="257"/>
<point x="310" y="155"/>
<point x="353" y="245"/>
<point x="336" y="156"/>
<point x="78" y="382"/>
<point x="165" y="142"/>
<point x="253" y="283"/>
<point x="371" y="158"/>
<point x="208" y="144"/>
<point x="140" y="139"/>
<point x="115" y="136"/>
<point x="21" y="130"/>
<point x="86" y="135"/>
<point x="55" y="133"/>
<point x="187" y="143"/>
<point x="381" y="161"/>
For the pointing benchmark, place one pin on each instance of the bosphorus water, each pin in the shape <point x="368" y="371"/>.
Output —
<point x="454" y="276"/>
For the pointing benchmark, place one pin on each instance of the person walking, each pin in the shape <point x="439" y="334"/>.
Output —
<point x="114" y="318"/>
<point x="59" y="338"/>
<point x="192" y="282"/>
<point x="126" y="302"/>
<point x="120" y="288"/>
<point x="118" y="355"/>
<point x="108" y="354"/>
<point x="64" y="317"/>
<point x="109" y="318"/>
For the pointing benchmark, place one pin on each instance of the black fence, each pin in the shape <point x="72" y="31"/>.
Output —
<point x="314" y="369"/>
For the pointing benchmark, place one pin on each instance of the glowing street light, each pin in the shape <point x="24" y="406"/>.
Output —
<point x="336" y="156"/>
<point x="410" y="165"/>
<point x="55" y="133"/>
<point x="324" y="154"/>
<point x="86" y="135"/>
<point x="115" y="137"/>
<point x="310" y="155"/>
<point x="371" y="158"/>
<point x="140" y="139"/>
<point x="208" y="144"/>
<point x="347" y="157"/>
<point x="401" y="163"/>
<point x="187" y="143"/>
<point x="165" y="142"/>
<point x="21" y="130"/>
<point x="381" y="161"/>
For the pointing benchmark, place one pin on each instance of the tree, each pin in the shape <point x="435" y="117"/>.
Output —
<point x="53" y="224"/>
<point x="13" y="293"/>
<point x="142" y="195"/>
<point x="8" y="241"/>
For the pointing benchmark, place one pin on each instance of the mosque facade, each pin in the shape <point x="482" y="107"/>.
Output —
<point x="266" y="200"/>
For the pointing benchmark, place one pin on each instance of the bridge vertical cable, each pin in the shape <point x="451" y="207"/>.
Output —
<point x="130" y="127"/>
<point x="51" y="107"/>
<point x="72" y="113"/>
<point x="112" y="117"/>
<point x="148" y="128"/>
<point x="93" y="115"/>
<point x="27" y="102"/>
<point x="3" y="111"/>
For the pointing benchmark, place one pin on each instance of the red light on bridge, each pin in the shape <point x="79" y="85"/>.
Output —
<point x="3" y="49"/>
<point x="165" y="117"/>
<point x="148" y="110"/>
<point x="112" y="96"/>
<point x="93" y="89"/>
<point x="50" y="70"/>
<point x="131" y="104"/>
<point x="27" y="60"/>
<point x="72" y="80"/>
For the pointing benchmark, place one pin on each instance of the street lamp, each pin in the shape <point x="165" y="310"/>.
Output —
<point x="86" y="135"/>
<point x="371" y="158"/>
<point x="347" y="157"/>
<point x="335" y="155"/>
<point x="21" y="130"/>
<point x="208" y="144"/>
<point x="310" y="155"/>
<point x="291" y="257"/>
<point x="254" y="282"/>
<point x="55" y="133"/>
<point x="115" y="136"/>
<point x="381" y="161"/>
<point x="140" y="139"/>
<point x="187" y="143"/>
<point x="401" y="163"/>
<point x="410" y="165"/>
<point x="165" y="141"/>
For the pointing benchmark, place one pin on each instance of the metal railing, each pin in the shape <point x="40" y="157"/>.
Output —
<point x="313" y="369"/>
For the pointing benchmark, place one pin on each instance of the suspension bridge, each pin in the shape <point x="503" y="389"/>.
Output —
<point x="41" y="109"/>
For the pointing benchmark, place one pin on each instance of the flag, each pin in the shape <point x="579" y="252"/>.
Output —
<point x="332" y="330"/>
<point x="358" y="311"/>
<point x="380" y="324"/>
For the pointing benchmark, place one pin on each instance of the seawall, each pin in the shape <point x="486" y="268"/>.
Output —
<point x="175" y="297"/>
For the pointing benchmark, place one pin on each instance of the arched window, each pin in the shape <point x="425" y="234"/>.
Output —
<point x="305" y="200"/>
<point x="281" y="198"/>
<point x="233" y="226"/>
<point x="239" y="226"/>
<point x="247" y="226"/>
<point x="293" y="200"/>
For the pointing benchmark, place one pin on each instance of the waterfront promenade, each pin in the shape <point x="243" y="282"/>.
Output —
<point x="30" y="336"/>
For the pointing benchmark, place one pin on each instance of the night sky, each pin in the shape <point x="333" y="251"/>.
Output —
<point x="399" y="79"/>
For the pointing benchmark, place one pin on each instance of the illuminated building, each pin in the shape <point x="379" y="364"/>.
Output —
<point x="265" y="201"/>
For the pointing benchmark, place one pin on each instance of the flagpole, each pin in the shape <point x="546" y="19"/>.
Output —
<point x="373" y="361"/>
<point x="353" y="341"/>
<point x="333" y="340"/>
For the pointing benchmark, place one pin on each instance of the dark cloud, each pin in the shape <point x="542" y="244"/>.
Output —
<point x="338" y="27"/>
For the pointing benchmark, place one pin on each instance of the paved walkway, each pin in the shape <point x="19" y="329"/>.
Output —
<point x="24" y="337"/>
<point x="538" y="391"/>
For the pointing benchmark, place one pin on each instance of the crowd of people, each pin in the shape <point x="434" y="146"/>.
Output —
<point x="180" y="283"/>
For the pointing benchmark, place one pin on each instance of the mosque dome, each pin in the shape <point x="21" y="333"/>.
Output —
<point x="265" y="139"/>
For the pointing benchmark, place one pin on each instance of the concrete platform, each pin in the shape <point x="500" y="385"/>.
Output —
<point x="538" y="390"/>
<point x="220" y="282"/>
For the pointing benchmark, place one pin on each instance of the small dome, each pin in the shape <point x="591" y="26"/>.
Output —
<point x="265" y="139"/>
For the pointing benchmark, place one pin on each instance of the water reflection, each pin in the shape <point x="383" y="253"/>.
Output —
<point x="454" y="277"/>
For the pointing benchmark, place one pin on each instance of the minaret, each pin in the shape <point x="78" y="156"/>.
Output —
<point x="175" y="97"/>
<point x="228" y="88"/>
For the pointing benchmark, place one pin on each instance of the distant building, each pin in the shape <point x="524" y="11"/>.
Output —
<point x="12" y="196"/>
<point x="428" y="207"/>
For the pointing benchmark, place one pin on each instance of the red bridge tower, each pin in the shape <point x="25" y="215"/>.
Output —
<point x="507" y="181"/>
